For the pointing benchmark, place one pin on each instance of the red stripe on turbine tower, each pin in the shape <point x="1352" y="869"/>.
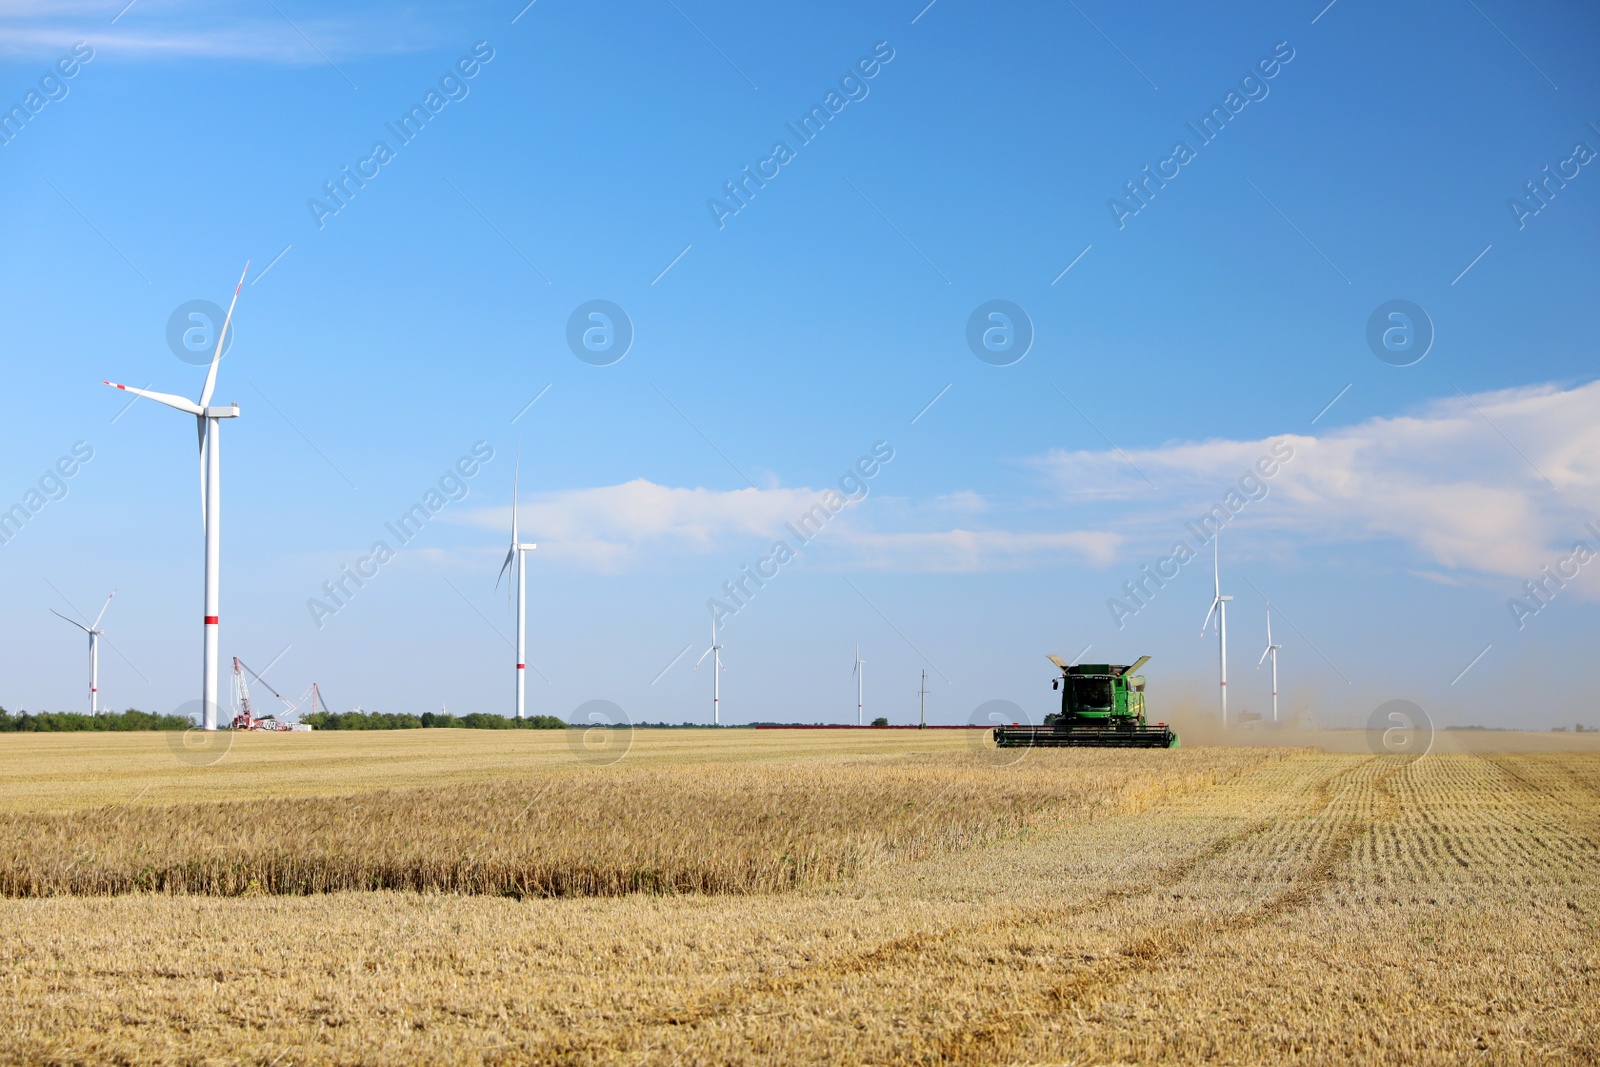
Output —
<point x="211" y="620"/>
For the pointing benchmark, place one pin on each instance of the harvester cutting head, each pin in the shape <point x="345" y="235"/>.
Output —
<point x="1102" y="706"/>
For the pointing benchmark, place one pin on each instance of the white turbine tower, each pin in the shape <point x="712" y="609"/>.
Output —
<point x="1219" y="608"/>
<point x="514" y="559"/>
<point x="715" y="652"/>
<point x="94" y="632"/>
<point x="860" y="672"/>
<point x="208" y="421"/>
<point x="1272" y="650"/>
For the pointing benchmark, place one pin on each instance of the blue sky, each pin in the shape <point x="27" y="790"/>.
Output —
<point x="378" y="344"/>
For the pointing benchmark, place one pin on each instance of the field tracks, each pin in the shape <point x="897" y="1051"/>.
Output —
<point x="1352" y="794"/>
<point x="1348" y="802"/>
<point x="1226" y="906"/>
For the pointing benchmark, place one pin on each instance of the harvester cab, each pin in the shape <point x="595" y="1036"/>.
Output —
<point x="1102" y="706"/>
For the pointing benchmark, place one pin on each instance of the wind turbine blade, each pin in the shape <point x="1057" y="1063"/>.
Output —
<point x="697" y="662"/>
<point x="74" y="622"/>
<point x="103" y="607"/>
<point x="216" y="357"/>
<point x="180" y="402"/>
<point x="1207" y="624"/>
<point x="516" y="478"/>
<point x="202" y="421"/>
<point x="510" y="555"/>
<point x="1264" y="656"/>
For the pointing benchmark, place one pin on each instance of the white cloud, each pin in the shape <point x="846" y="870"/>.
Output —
<point x="1458" y="481"/>
<point x="161" y="29"/>
<point x="1494" y="483"/>
<point x="979" y="550"/>
<point x="613" y="528"/>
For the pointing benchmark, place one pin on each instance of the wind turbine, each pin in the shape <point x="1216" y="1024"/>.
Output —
<point x="94" y="632"/>
<point x="1219" y="608"/>
<point x="715" y="652"/>
<point x="861" y="674"/>
<point x="208" y="421"/>
<point x="1272" y="650"/>
<point x="514" y="557"/>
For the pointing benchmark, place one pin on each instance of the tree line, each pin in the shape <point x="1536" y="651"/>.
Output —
<point x="134" y="719"/>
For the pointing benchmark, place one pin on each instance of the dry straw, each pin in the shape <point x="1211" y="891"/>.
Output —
<point x="677" y="829"/>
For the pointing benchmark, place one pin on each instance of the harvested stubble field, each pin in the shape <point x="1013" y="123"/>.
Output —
<point x="766" y="897"/>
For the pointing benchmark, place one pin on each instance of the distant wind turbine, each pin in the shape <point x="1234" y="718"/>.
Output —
<point x="514" y="559"/>
<point x="1219" y="608"/>
<point x="1272" y="650"/>
<point x="208" y="421"/>
<point x="860" y="672"/>
<point x="94" y="632"/>
<point x="715" y="652"/>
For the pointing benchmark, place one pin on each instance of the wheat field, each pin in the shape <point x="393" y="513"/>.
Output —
<point x="808" y="897"/>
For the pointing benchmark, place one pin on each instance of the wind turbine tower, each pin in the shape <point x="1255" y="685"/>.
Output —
<point x="514" y="559"/>
<point x="208" y="421"/>
<point x="715" y="652"/>
<point x="94" y="632"/>
<point x="860" y="672"/>
<point x="1272" y="650"/>
<point x="1219" y="608"/>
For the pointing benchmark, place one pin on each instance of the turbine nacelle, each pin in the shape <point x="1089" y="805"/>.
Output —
<point x="1216" y="604"/>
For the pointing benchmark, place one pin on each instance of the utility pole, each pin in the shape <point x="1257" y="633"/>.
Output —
<point x="923" y="702"/>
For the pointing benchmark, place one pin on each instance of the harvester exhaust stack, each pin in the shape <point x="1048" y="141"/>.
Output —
<point x="1102" y="706"/>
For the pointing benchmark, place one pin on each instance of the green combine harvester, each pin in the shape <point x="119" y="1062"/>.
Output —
<point x="1102" y="706"/>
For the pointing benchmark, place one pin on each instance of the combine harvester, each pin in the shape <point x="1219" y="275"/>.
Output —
<point x="1102" y="706"/>
<point x="245" y="719"/>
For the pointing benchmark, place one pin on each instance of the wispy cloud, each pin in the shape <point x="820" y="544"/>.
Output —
<point x="1491" y="484"/>
<point x="1461" y="483"/>
<point x="978" y="550"/>
<point x="615" y="527"/>
<point x="620" y="527"/>
<point x="174" y="29"/>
